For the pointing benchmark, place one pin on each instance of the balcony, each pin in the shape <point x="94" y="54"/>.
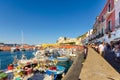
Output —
<point x="100" y="35"/>
<point x="108" y="30"/>
<point x="94" y="31"/>
<point x="107" y="14"/>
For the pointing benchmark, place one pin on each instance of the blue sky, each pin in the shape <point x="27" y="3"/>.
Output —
<point x="44" y="21"/>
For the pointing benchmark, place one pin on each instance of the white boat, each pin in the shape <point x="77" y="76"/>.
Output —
<point x="73" y="55"/>
<point x="13" y="49"/>
<point x="38" y="54"/>
<point x="22" y="49"/>
<point x="62" y="58"/>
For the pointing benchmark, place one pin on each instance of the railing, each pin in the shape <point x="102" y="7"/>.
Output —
<point x="0" y="64"/>
<point x="107" y="14"/>
<point x="108" y="30"/>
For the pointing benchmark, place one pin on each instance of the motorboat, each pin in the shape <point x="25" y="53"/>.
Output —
<point x="56" y="70"/>
<point x="38" y="54"/>
<point x="62" y="58"/>
<point x="22" y="49"/>
<point x="14" y="49"/>
<point x="73" y="55"/>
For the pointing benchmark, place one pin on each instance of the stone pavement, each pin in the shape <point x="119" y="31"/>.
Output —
<point x="97" y="68"/>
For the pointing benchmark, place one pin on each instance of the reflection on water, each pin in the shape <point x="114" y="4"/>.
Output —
<point x="66" y="64"/>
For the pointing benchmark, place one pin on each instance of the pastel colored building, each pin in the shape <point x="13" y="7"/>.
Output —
<point x="104" y="27"/>
<point x="117" y="13"/>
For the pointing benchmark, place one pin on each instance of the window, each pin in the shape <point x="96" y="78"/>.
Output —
<point x="102" y="18"/>
<point x="109" y="7"/>
<point x="119" y="18"/>
<point x="102" y="31"/>
<point x="109" y="26"/>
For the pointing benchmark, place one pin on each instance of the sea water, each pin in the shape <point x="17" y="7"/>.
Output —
<point x="7" y="57"/>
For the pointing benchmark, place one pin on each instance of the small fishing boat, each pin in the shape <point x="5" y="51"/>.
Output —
<point x="56" y="70"/>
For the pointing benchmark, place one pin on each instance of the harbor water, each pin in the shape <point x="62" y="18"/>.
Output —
<point x="7" y="57"/>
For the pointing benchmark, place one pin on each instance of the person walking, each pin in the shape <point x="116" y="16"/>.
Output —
<point x="85" y="51"/>
<point x="101" y="49"/>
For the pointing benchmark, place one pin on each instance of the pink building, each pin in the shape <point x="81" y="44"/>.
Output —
<point x="105" y="23"/>
<point x="107" y="17"/>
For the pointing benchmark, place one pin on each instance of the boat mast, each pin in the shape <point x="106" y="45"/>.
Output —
<point x="21" y="39"/>
<point x="0" y="63"/>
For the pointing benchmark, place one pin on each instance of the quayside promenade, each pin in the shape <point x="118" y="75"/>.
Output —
<point x="94" y="67"/>
<point x="97" y="68"/>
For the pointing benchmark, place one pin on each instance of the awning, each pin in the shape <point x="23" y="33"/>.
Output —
<point x="117" y="39"/>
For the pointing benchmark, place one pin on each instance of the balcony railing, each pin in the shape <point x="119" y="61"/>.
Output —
<point x="107" y="14"/>
<point x="108" y="30"/>
<point x="101" y="35"/>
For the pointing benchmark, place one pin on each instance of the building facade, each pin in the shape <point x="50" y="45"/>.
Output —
<point x="117" y="13"/>
<point x="70" y="41"/>
<point x="104" y="27"/>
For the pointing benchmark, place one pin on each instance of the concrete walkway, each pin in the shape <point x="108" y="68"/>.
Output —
<point x="97" y="68"/>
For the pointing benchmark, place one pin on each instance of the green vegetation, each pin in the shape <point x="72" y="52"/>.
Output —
<point x="82" y="36"/>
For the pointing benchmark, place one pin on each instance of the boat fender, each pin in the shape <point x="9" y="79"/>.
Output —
<point x="63" y="74"/>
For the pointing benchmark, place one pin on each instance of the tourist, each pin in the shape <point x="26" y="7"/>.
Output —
<point x="96" y="47"/>
<point x="101" y="49"/>
<point x="107" y="48"/>
<point x="52" y="76"/>
<point x="111" y="45"/>
<point x="117" y="51"/>
<point x="63" y="75"/>
<point x="85" y="51"/>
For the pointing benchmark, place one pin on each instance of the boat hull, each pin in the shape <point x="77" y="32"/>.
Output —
<point x="58" y="71"/>
<point x="62" y="58"/>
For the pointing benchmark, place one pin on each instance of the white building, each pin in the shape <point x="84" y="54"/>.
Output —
<point x="117" y="19"/>
<point x="117" y="12"/>
<point x="89" y="35"/>
<point x="64" y="40"/>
